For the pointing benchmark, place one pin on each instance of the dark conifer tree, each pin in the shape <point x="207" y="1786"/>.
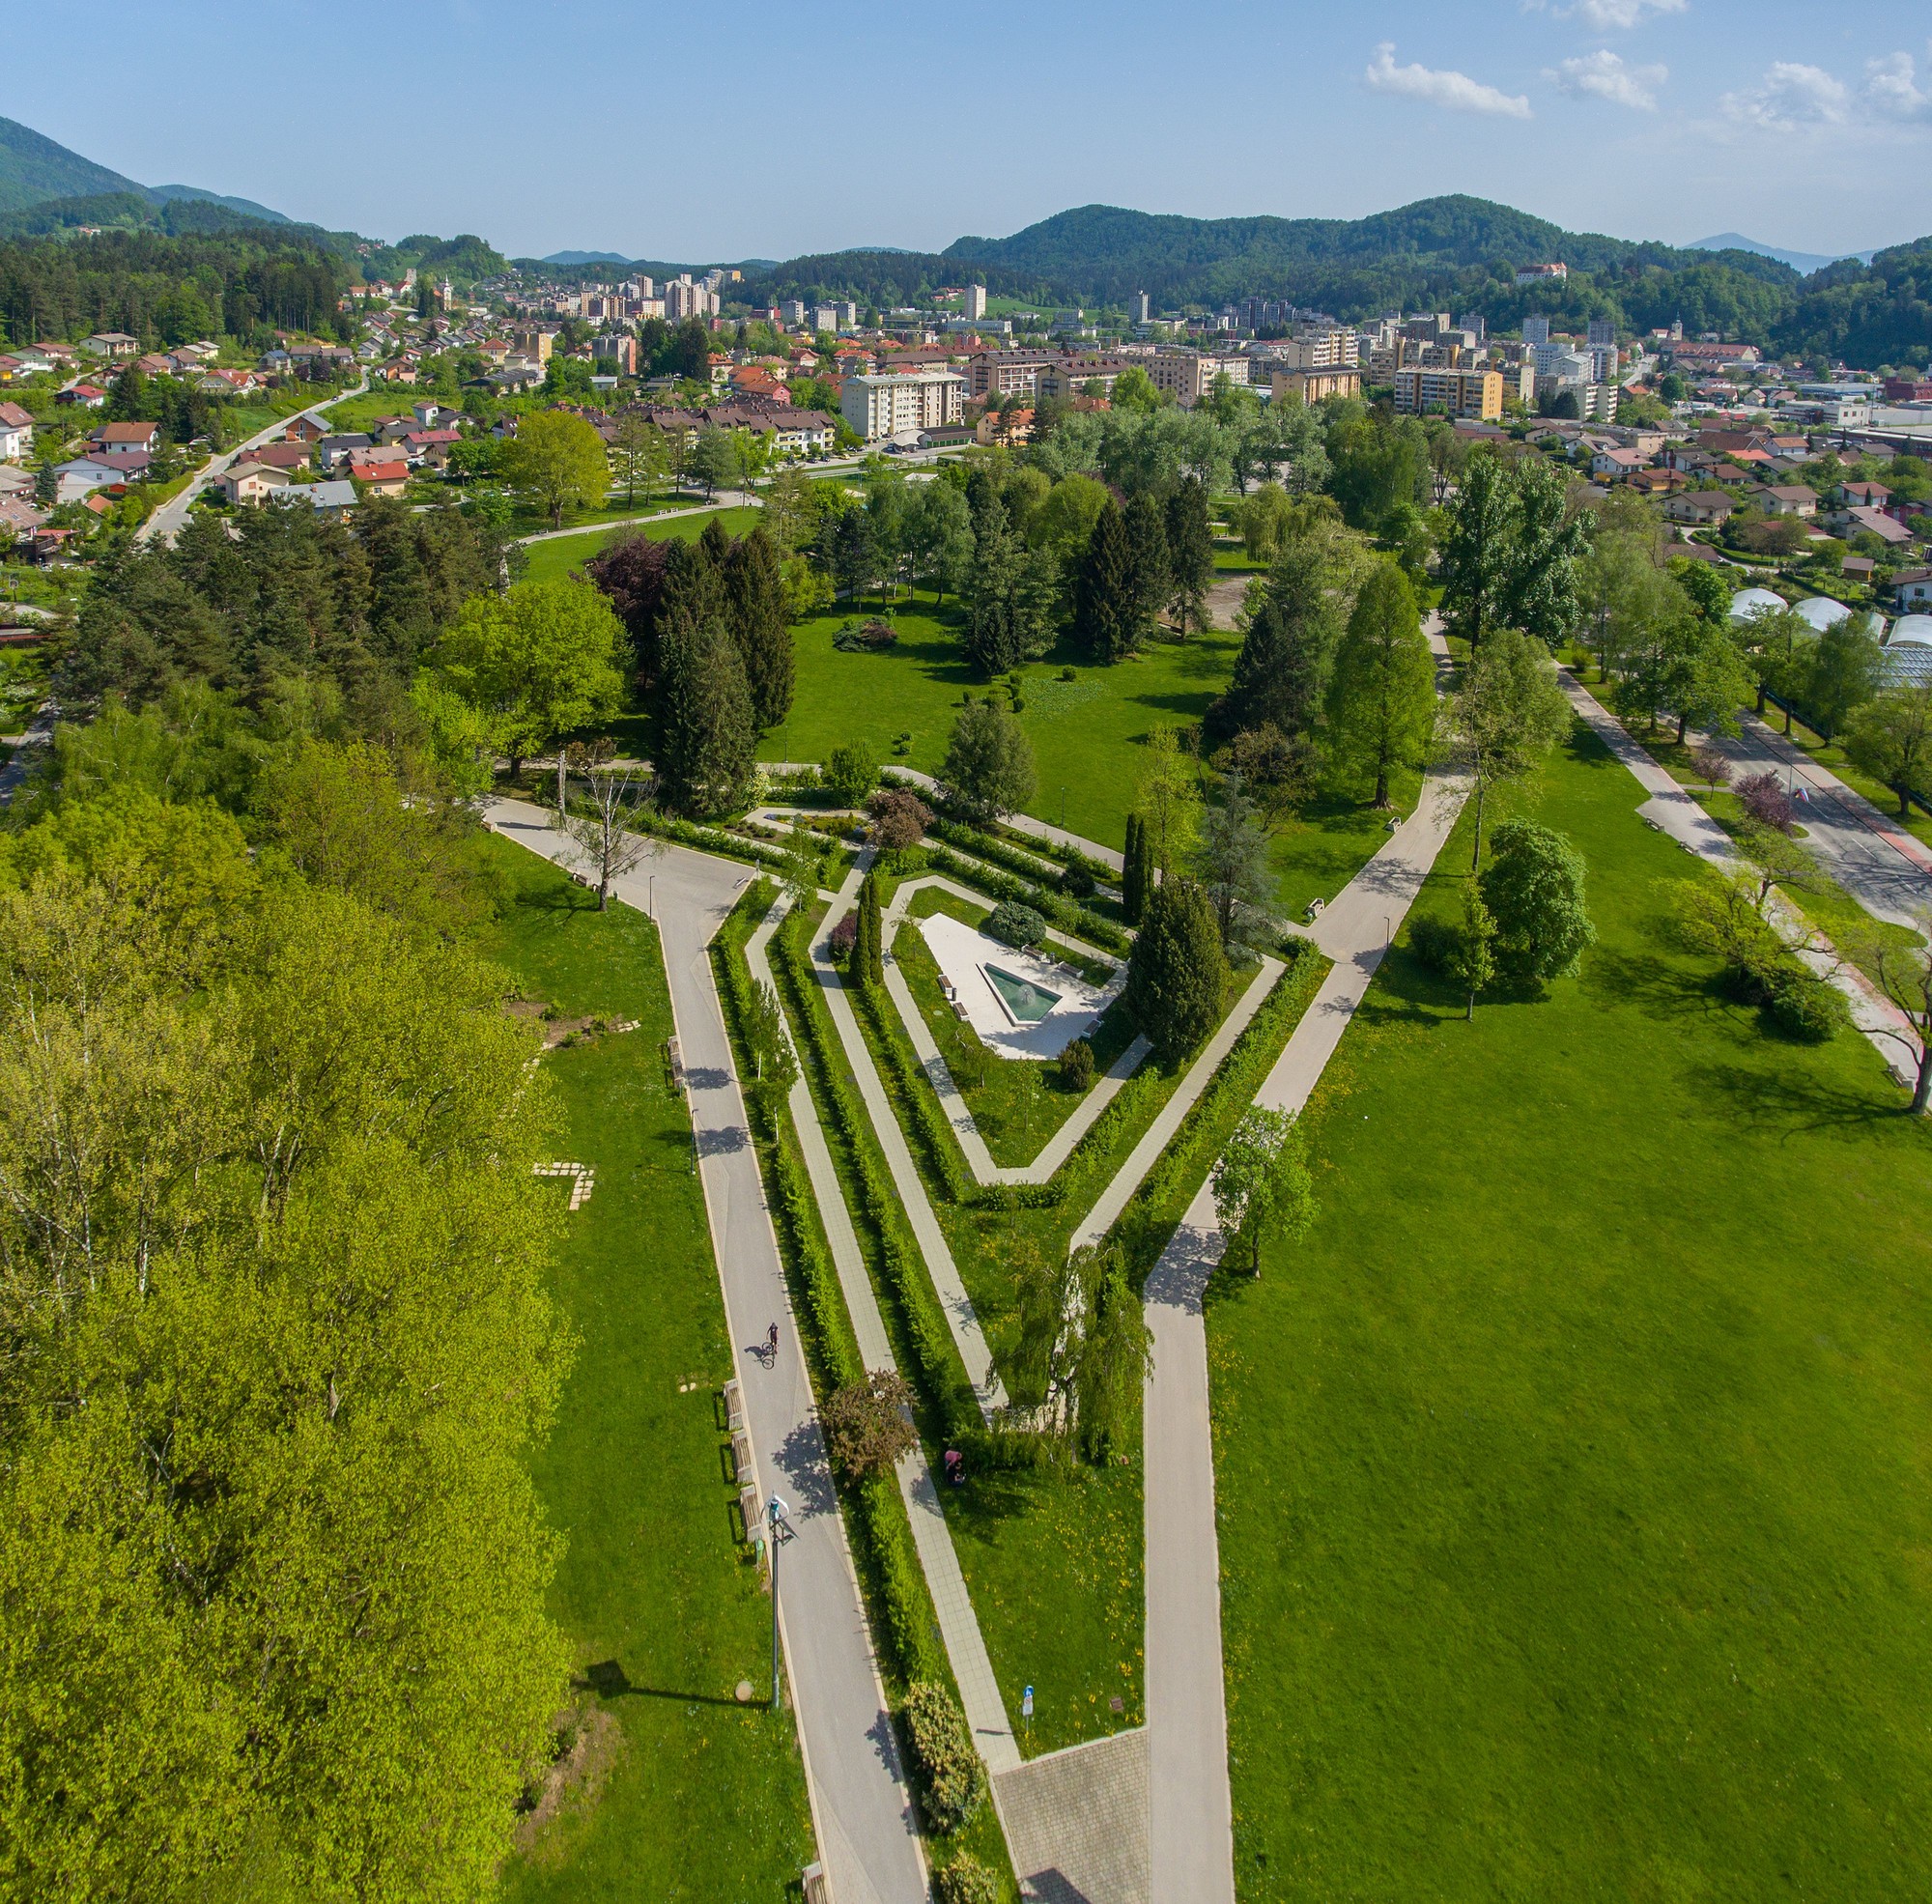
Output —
<point x="1283" y="665"/>
<point x="705" y="739"/>
<point x="1103" y="590"/>
<point x="1190" y="555"/>
<point x="1147" y="545"/>
<point x="755" y="606"/>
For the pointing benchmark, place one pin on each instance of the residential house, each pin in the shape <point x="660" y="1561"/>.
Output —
<point x="430" y="448"/>
<point x="82" y="476"/>
<point x="112" y="344"/>
<point x="430" y="414"/>
<point x="1656" y="482"/>
<point x="129" y="465"/>
<point x="1617" y="465"/>
<point x="278" y="456"/>
<point x="157" y="364"/>
<point x="16" y="432"/>
<point x="304" y="429"/>
<point x="126" y="435"/>
<point x="1872" y="522"/>
<point x="1699" y="506"/>
<point x="330" y="498"/>
<point x="19" y="520"/>
<point x="331" y="450"/>
<point x="82" y="396"/>
<point x="251" y="484"/>
<point x="801" y="432"/>
<point x="1010" y="429"/>
<point x="1789" y="500"/>
<point x="1689" y="461"/>
<point x="1910" y="589"/>
<point x="1862" y="496"/>
<point x="392" y="478"/>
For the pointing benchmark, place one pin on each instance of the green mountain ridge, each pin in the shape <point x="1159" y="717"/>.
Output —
<point x="37" y="171"/>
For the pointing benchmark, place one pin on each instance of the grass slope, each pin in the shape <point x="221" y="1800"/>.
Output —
<point x="1573" y="1472"/>
<point x="568" y="553"/>
<point x="706" y="1800"/>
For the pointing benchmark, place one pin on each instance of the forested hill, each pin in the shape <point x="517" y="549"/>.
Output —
<point x="35" y="169"/>
<point x="1108" y="252"/>
<point x="1455" y="253"/>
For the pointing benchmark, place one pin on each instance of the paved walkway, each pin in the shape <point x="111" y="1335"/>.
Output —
<point x="1672" y="811"/>
<point x="958" y="1625"/>
<point x="979" y="1158"/>
<point x="1022" y="822"/>
<point x="1190" y="1814"/>
<point x="1113" y="1200"/>
<point x="960" y="1316"/>
<point x="868" y="1839"/>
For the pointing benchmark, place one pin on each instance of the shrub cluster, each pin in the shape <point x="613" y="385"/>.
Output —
<point x="1015" y="924"/>
<point x="952" y="1775"/>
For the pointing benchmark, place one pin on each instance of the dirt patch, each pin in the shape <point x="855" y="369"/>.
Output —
<point x="559" y="1030"/>
<point x="1225" y="599"/>
<point x="591" y="1739"/>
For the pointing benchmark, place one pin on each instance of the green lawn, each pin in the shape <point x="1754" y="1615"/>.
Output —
<point x="705" y="1800"/>
<point x="1083" y="731"/>
<point x="1573" y="1471"/>
<point x="569" y="553"/>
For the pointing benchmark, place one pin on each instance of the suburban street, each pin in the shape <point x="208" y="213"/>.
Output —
<point x="861" y="1809"/>
<point x="1890" y="881"/>
<point x="168" y="520"/>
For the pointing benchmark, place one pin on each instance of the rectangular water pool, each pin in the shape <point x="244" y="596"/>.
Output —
<point x="1026" y="1002"/>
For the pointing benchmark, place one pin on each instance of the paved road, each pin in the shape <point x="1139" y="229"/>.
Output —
<point x="866" y="1837"/>
<point x="1854" y="842"/>
<point x="167" y="521"/>
<point x="1672" y="811"/>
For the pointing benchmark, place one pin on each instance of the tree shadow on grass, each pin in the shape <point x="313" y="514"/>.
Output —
<point x="555" y="898"/>
<point x="1653" y="986"/>
<point x="608" y="1680"/>
<point x="1790" y="1100"/>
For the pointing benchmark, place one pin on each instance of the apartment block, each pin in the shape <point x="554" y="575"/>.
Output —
<point x="976" y="300"/>
<point x="1005" y="373"/>
<point x="1190" y="375"/>
<point x="1477" y="394"/>
<point x="1318" y="349"/>
<point x="885" y="405"/>
<point x="1312" y="385"/>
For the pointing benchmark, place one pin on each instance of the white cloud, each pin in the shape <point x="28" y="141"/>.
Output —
<point x="1609" y="16"/>
<point x="1455" y="90"/>
<point x="1790" y="97"/>
<point x="1892" y="88"/>
<point x="1602" y="75"/>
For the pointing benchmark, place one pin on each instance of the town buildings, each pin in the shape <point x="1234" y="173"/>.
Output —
<point x="878" y="407"/>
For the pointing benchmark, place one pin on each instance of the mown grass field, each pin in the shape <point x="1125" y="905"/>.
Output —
<point x="704" y="1799"/>
<point x="1572" y="1473"/>
<point x="567" y="554"/>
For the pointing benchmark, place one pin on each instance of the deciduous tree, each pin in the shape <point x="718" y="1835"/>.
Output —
<point x="988" y="768"/>
<point x="1533" y="888"/>
<point x="559" y="462"/>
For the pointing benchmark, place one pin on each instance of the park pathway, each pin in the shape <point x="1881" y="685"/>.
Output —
<point x="958" y="1625"/>
<point x="1190" y="1812"/>
<point x="860" y="1809"/>
<point x="1672" y="811"/>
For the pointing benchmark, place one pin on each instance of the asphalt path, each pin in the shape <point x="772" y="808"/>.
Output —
<point x="860" y="1809"/>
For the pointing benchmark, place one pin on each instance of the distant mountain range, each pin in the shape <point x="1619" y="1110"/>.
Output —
<point x="34" y="169"/>
<point x="1804" y="262"/>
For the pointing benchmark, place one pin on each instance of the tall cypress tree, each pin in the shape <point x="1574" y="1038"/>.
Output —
<point x="1103" y="589"/>
<point x="1147" y="544"/>
<point x="756" y="609"/>
<point x="1284" y="660"/>
<point x="1190" y="555"/>
<point x="705" y="739"/>
<point x="875" y="934"/>
<point x="1131" y="891"/>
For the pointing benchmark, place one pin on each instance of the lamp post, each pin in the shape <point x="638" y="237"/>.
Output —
<point x="778" y="1523"/>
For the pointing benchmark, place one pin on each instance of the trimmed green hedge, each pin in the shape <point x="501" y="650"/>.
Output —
<point x="941" y="1381"/>
<point x="1043" y="899"/>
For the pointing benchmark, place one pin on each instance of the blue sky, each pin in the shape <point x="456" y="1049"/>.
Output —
<point x="704" y="134"/>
